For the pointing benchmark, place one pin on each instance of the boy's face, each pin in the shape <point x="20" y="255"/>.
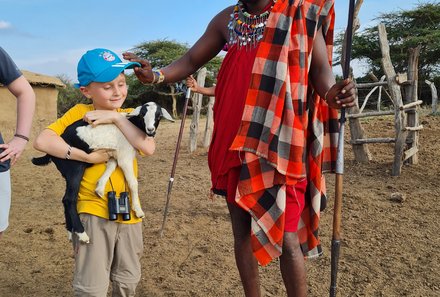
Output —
<point x="109" y="95"/>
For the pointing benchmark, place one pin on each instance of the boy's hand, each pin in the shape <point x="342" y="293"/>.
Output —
<point x="341" y="94"/>
<point x="192" y="83"/>
<point x="144" y="73"/>
<point x="98" y="156"/>
<point x="97" y="117"/>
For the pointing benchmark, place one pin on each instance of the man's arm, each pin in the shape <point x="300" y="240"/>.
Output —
<point x="206" y="48"/>
<point x="337" y="95"/>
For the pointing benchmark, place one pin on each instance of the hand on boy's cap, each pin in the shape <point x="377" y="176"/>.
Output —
<point x="143" y="73"/>
<point x="134" y="58"/>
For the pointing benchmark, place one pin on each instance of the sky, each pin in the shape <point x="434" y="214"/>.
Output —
<point x="49" y="36"/>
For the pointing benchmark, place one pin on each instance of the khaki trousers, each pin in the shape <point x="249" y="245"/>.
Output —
<point x="113" y="253"/>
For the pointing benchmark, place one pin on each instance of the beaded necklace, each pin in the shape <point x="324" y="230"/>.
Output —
<point x="247" y="29"/>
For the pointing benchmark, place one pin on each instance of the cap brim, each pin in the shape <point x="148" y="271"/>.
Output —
<point x="112" y="72"/>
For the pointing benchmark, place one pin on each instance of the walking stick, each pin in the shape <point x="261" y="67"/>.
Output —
<point x="176" y="154"/>
<point x="336" y="238"/>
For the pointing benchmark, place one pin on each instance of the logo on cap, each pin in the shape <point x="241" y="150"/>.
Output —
<point x="108" y="56"/>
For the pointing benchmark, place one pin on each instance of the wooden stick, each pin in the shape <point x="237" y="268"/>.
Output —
<point x="337" y="215"/>
<point x="373" y="140"/>
<point x="370" y="114"/>
<point x="176" y="155"/>
<point x="412" y="104"/>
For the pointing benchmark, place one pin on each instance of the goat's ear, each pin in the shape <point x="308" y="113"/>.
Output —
<point x="135" y="112"/>
<point x="166" y="115"/>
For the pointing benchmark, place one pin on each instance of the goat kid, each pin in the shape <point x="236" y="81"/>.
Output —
<point x="107" y="136"/>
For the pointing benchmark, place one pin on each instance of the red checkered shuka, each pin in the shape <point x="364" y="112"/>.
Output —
<point x="287" y="130"/>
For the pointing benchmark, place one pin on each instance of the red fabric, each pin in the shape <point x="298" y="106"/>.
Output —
<point x="230" y="96"/>
<point x="275" y="131"/>
<point x="295" y="201"/>
<point x="280" y="105"/>
<point x="295" y="198"/>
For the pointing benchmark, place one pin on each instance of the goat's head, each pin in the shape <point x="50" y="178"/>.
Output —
<point x="147" y="117"/>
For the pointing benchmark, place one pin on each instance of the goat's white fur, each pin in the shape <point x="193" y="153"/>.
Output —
<point x="109" y="137"/>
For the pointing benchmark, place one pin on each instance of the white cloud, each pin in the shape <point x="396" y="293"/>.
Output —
<point x="5" y="25"/>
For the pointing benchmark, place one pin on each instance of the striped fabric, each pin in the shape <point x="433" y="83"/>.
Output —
<point x="286" y="128"/>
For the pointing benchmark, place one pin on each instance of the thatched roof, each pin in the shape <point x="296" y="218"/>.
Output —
<point x="37" y="79"/>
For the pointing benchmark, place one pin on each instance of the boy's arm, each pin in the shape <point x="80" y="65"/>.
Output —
<point x="51" y="143"/>
<point x="137" y="138"/>
<point x="191" y="82"/>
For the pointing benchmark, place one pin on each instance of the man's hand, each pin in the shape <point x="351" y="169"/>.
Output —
<point x="341" y="94"/>
<point x="143" y="73"/>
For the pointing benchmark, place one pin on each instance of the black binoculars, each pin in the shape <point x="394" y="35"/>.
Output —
<point x="118" y="205"/>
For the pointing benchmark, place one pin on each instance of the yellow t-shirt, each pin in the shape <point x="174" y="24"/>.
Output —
<point x="88" y="201"/>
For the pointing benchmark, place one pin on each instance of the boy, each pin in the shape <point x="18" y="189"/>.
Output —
<point x="11" y="151"/>
<point x="116" y="246"/>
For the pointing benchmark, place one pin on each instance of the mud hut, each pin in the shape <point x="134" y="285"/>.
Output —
<point x="46" y="91"/>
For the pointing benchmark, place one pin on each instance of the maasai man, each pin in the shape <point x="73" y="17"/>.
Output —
<point x="277" y="92"/>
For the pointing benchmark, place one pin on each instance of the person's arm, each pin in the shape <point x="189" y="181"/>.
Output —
<point x="136" y="137"/>
<point x="191" y="83"/>
<point x="206" y="48"/>
<point x="51" y="143"/>
<point x="22" y="90"/>
<point x="337" y="95"/>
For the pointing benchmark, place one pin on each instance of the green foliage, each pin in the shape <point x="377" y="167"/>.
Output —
<point x="406" y="29"/>
<point x="161" y="53"/>
<point x="68" y="96"/>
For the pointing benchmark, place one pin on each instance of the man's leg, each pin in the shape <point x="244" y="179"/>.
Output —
<point x="292" y="259"/>
<point x="292" y="266"/>
<point x="246" y="262"/>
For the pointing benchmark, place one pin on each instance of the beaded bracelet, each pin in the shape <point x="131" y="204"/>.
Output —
<point x="158" y="76"/>
<point x="21" y="136"/>
<point x="69" y="150"/>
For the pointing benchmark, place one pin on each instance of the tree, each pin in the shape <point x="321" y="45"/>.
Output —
<point x="405" y="29"/>
<point x="68" y="96"/>
<point x="161" y="53"/>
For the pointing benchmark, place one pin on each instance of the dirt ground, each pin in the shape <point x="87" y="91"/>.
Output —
<point x="389" y="248"/>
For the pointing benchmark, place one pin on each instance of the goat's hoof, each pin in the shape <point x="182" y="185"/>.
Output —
<point x="100" y="192"/>
<point x="139" y="213"/>
<point x="83" y="237"/>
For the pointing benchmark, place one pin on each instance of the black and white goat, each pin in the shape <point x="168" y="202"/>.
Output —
<point x="85" y="137"/>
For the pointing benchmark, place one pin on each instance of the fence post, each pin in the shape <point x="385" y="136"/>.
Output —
<point x="197" y="106"/>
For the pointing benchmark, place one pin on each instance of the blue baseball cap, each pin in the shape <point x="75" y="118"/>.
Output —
<point x="100" y="65"/>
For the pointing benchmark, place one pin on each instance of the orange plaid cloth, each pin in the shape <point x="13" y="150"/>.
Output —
<point x="286" y="127"/>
